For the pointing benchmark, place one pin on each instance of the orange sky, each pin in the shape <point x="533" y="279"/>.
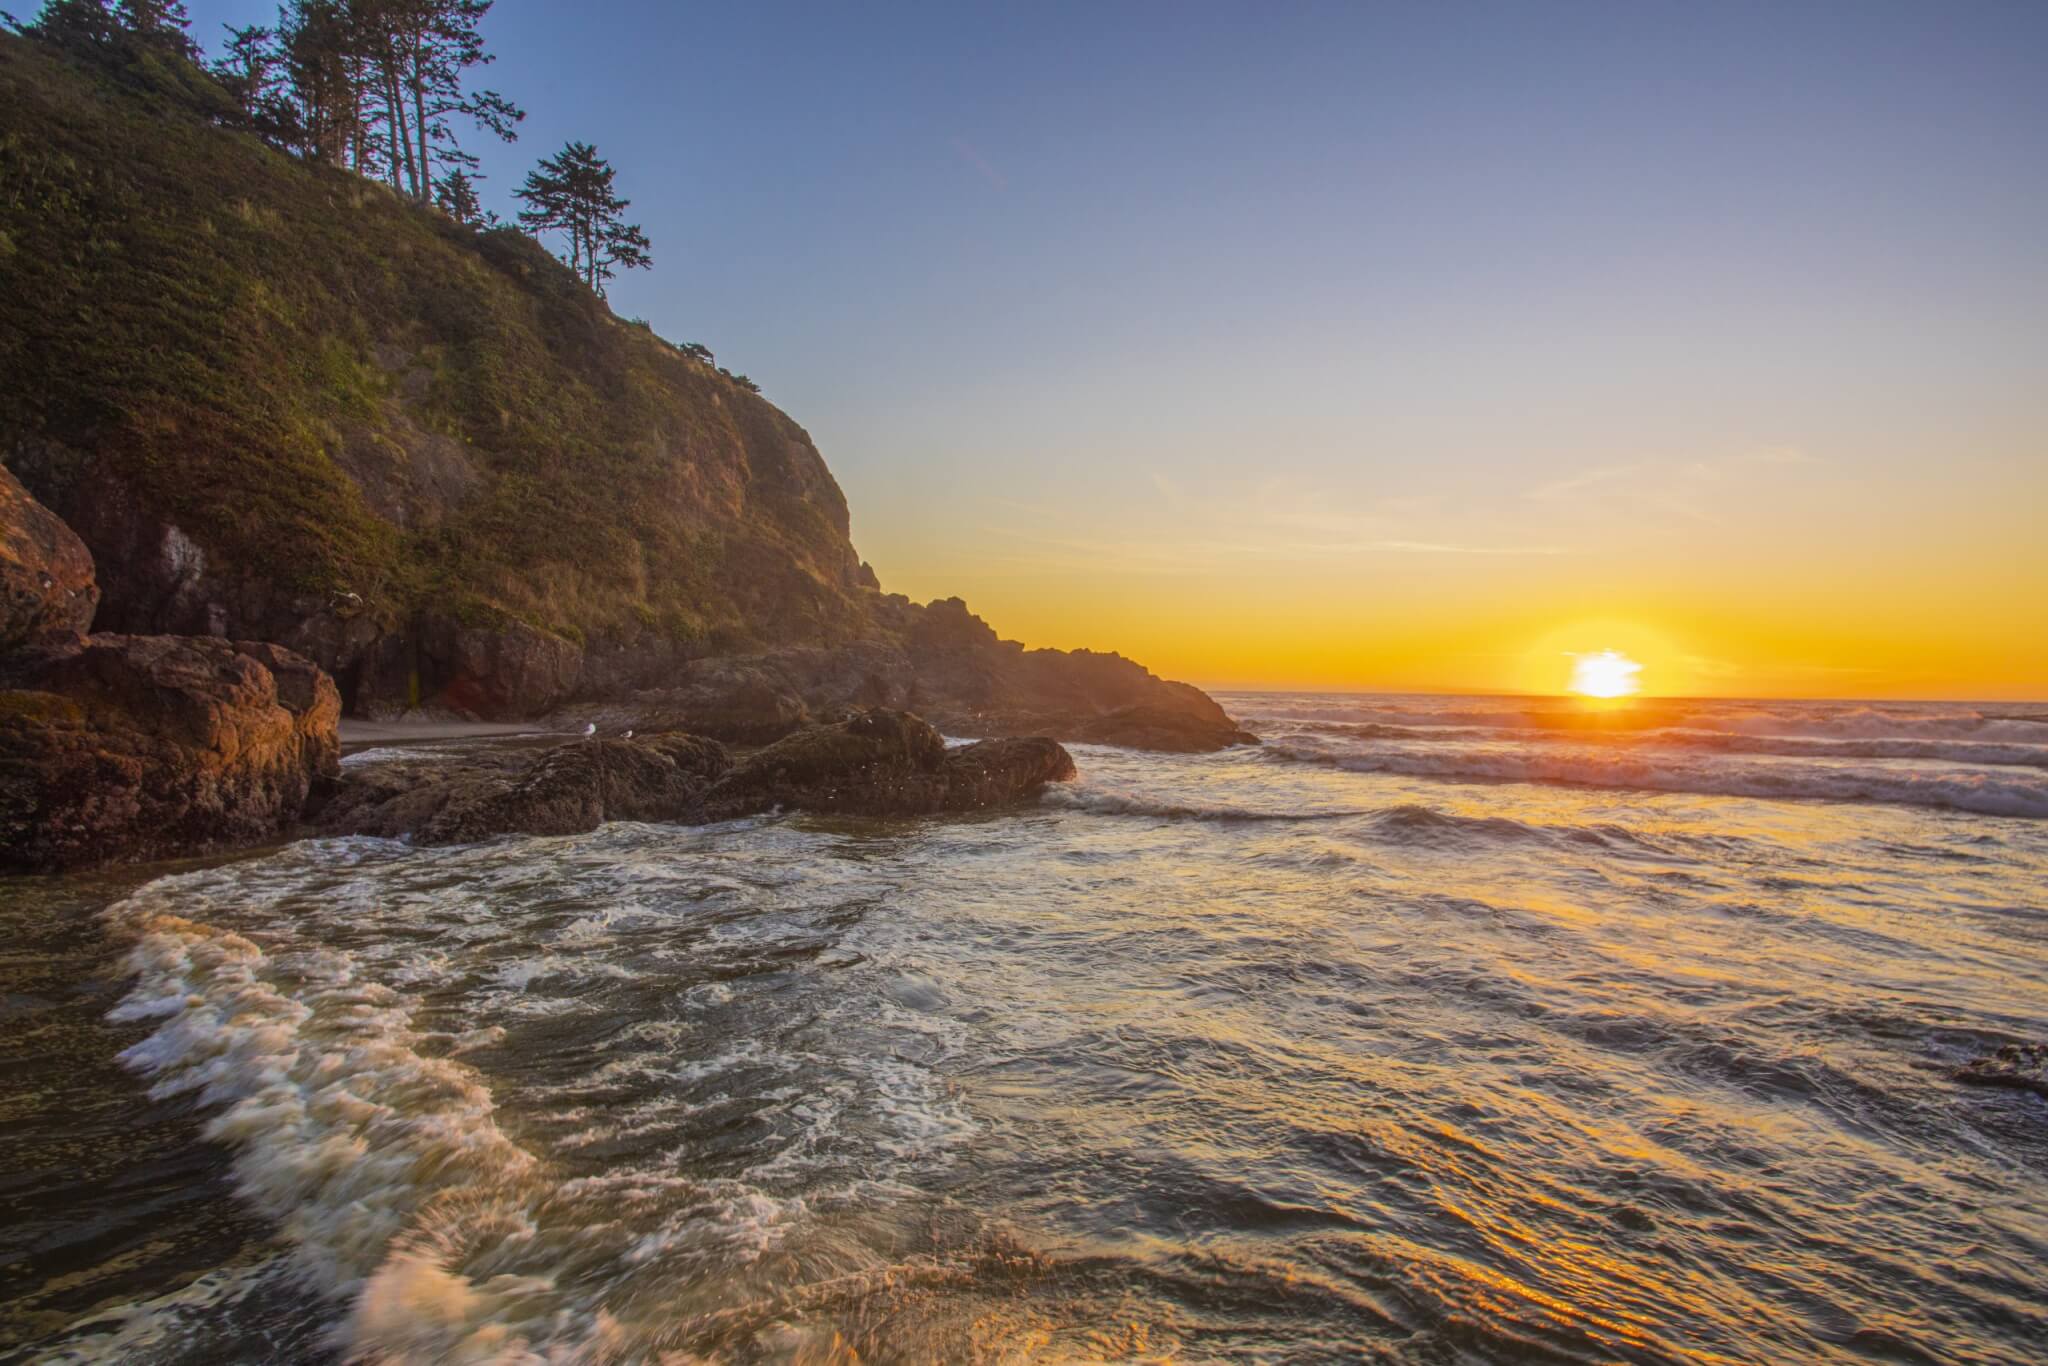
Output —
<point x="1766" y="572"/>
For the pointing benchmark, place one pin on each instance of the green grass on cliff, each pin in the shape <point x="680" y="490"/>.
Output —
<point x="247" y="341"/>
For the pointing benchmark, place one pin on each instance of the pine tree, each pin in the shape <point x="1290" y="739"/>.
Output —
<point x="246" y="68"/>
<point x="318" y="50"/>
<point x="96" y="26"/>
<point x="416" y="52"/>
<point x="456" y="193"/>
<point x="76" y="24"/>
<point x="159" y="23"/>
<point x="571" y="192"/>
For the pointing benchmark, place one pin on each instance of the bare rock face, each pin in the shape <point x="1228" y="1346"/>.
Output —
<point x="136" y="747"/>
<point x="510" y="669"/>
<point x="46" y="580"/>
<point x="885" y="763"/>
<point x="133" y="747"/>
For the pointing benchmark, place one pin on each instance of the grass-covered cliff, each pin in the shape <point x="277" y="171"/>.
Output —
<point x="264" y="390"/>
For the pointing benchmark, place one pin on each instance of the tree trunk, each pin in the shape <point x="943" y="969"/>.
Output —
<point x="401" y="136"/>
<point x="419" y="108"/>
<point x="356" y="120"/>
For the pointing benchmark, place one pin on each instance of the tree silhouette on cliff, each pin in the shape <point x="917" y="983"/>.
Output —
<point x="571" y="193"/>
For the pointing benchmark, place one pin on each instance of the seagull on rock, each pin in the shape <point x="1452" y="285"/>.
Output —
<point x="590" y="729"/>
<point x="627" y="736"/>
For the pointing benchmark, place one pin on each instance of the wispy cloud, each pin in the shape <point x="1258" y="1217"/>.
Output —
<point x="1442" y="548"/>
<point x="971" y="154"/>
<point x="1206" y="529"/>
<point x="1681" y="490"/>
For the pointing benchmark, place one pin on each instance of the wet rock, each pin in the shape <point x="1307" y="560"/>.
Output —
<point x="580" y="786"/>
<point x="304" y="690"/>
<point x="2018" y="1066"/>
<point x="885" y="763"/>
<point x="396" y="798"/>
<point x="1175" y="731"/>
<point x="46" y="578"/>
<point x="134" y="747"/>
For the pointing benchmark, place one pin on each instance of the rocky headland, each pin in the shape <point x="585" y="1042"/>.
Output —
<point x="278" y="402"/>
<point x="296" y="447"/>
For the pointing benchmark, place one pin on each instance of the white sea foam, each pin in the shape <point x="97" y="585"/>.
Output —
<point x="1988" y="752"/>
<point x="1999" y="792"/>
<point x="379" y="1153"/>
<point x="341" y="1128"/>
<point x="2026" y="727"/>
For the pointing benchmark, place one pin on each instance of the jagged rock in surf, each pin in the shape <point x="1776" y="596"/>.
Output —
<point x="876" y="762"/>
<point x="885" y="763"/>
<point x="2017" y="1066"/>
<point x="580" y="786"/>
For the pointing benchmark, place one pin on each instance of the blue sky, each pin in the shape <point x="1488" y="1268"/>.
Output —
<point x="1107" y="314"/>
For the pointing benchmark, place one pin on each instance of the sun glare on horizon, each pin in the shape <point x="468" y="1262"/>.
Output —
<point x="1605" y="673"/>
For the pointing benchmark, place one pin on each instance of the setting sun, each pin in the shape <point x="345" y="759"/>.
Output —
<point x="1604" y="673"/>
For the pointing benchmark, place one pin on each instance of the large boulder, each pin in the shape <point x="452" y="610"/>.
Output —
<point x="885" y="763"/>
<point x="46" y="579"/>
<point x="398" y="797"/>
<point x="135" y="747"/>
<point x="580" y="786"/>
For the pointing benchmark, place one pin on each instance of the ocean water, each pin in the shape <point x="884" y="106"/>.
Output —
<point x="1434" y="1030"/>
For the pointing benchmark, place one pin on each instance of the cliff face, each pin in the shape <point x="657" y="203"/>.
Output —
<point x="279" y="403"/>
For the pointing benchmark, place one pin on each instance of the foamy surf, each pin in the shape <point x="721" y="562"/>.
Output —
<point x="1937" y="756"/>
<point x="1987" y="793"/>
<point x="377" y="1148"/>
<point x="1227" y="1055"/>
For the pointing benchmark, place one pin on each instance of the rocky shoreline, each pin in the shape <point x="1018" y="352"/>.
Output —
<point x="120" y="748"/>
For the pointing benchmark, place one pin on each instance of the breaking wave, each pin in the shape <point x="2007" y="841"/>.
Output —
<point x="1928" y="722"/>
<point x="1989" y="752"/>
<point x="1989" y="794"/>
<point x="379" y="1151"/>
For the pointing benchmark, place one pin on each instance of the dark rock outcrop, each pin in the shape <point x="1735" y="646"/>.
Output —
<point x="397" y="798"/>
<point x="133" y="747"/>
<point x="130" y="747"/>
<point x="46" y="580"/>
<point x="885" y="763"/>
<point x="509" y="669"/>
<point x="2015" y="1066"/>
<point x="580" y="786"/>
<point x="948" y="666"/>
<point x="875" y="763"/>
